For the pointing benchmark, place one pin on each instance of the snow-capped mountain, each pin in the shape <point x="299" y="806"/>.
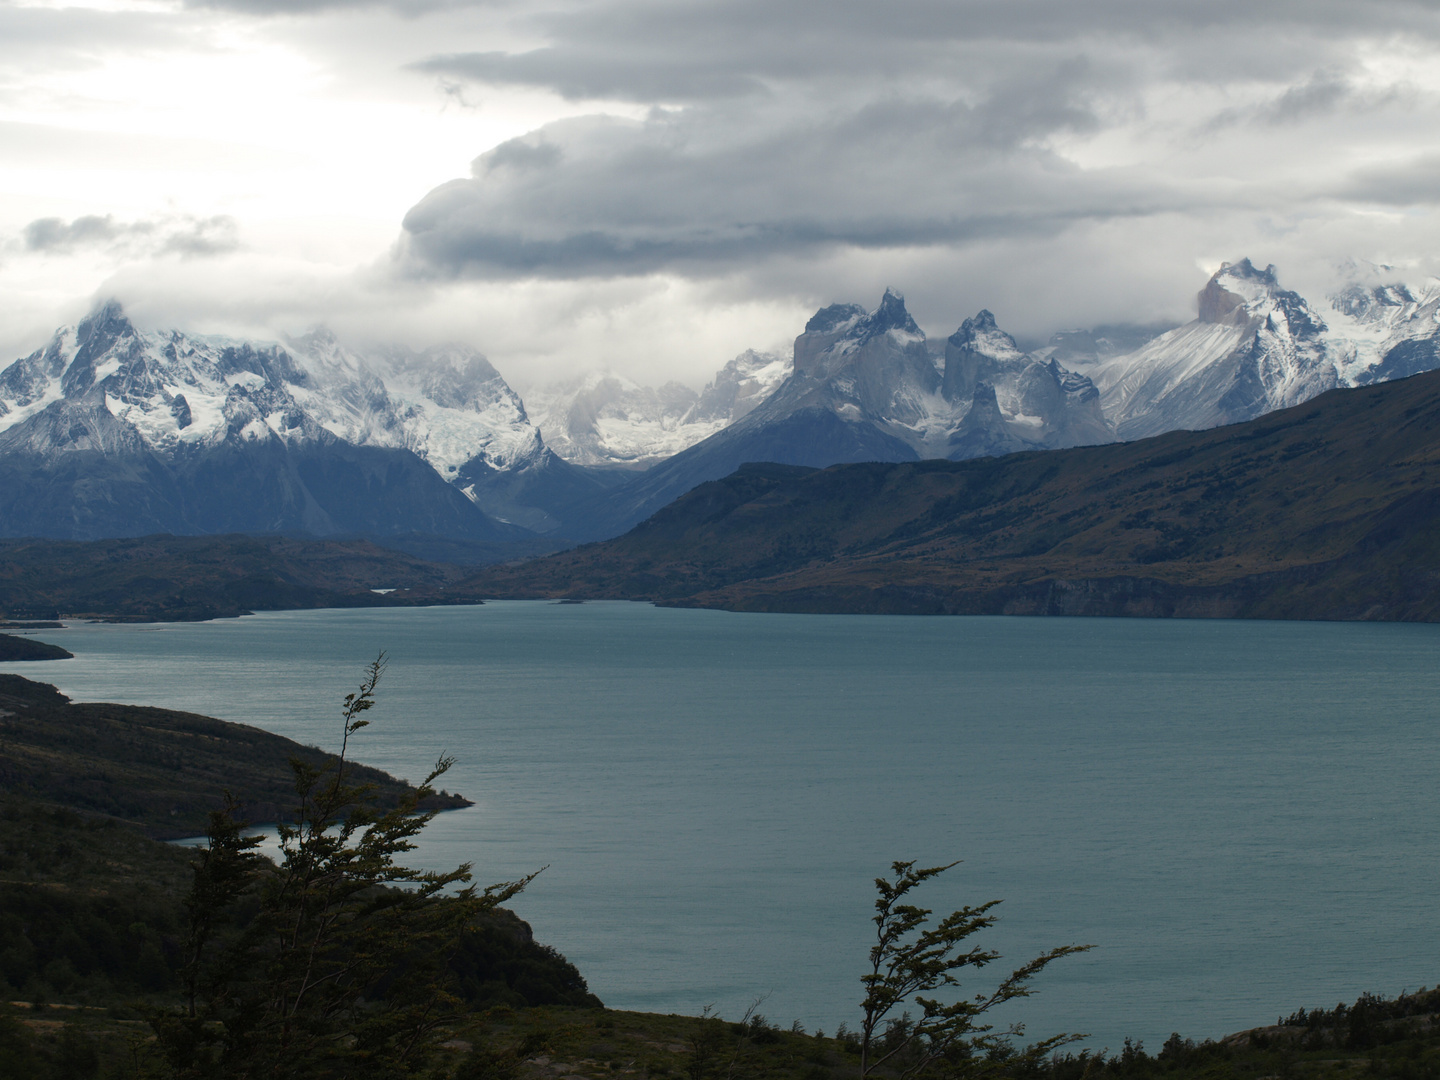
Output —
<point x="874" y="369"/>
<point x="446" y="403"/>
<point x="109" y="431"/>
<point x="863" y="387"/>
<point x="175" y="405"/>
<point x="1003" y="399"/>
<point x="1255" y="347"/>
<point x="450" y="407"/>
<point x="182" y="392"/>
<point x="1381" y="328"/>
<point x="606" y="421"/>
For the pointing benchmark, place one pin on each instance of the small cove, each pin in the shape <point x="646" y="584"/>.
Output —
<point x="1240" y="816"/>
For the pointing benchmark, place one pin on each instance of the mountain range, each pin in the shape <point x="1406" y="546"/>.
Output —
<point x="1325" y="510"/>
<point x="108" y="430"/>
<point x="1256" y="347"/>
<point x="602" y="420"/>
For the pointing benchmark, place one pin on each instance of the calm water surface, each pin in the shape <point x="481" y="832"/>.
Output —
<point x="1241" y="817"/>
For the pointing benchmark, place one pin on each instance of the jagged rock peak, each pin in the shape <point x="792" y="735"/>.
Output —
<point x="838" y="335"/>
<point x="891" y="315"/>
<point x="1240" y="295"/>
<point x="852" y="320"/>
<point x="980" y="334"/>
<point x="979" y="327"/>
<point x="1233" y="286"/>
<point x="1245" y="269"/>
<point x="984" y="319"/>
<point x="98" y="331"/>
<point x="835" y="317"/>
<point x="97" y="334"/>
<point x="104" y="313"/>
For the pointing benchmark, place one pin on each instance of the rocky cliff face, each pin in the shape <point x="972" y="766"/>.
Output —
<point x="863" y="387"/>
<point x="1036" y="403"/>
<point x="873" y="371"/>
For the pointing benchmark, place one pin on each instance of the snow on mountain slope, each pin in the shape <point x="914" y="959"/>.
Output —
<point x="1003" y="399"/>
<point x="179" y="392"/>
<point x="1382" y="328"/>
<point x="1256" y="347"/>
<point x="446" y="403"/>
<point x="874" y="370"/>
<point x="864" y="387"/>
<point x="604" y="420"/>
<point x="740" y="386"/>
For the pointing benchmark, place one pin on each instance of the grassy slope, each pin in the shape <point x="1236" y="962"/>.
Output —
<point x="600" y="1044"/>
<point x="1327" y="510"/>
<point x="204" y="577"/>
<point x="160" y="770"/>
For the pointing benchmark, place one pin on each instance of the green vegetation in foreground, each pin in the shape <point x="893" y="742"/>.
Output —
<point x="121" y="956"/>
<point x="124" y="957"/>
<point x="178" y="578"/>
<point x="547" y="1042"/>
<point x="1329" y="510"/>
<point x="157" y="769"/>
<point x="92" y="924"/>
<point x="24" y="648"/>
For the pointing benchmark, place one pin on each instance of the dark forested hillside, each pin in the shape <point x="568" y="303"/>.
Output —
<point x="206" y="577"/>
<point x="99" y="943"/>
<point x="156" y="769"/>
<point x="1330" y="510"/>
<point x="23" y="648"/>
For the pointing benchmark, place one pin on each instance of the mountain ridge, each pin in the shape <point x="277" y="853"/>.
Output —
<point x="172" y="578"/>
<point x="1327" y="510"/>
<point x="109" y="431"/>
<point x="864" y="388"/>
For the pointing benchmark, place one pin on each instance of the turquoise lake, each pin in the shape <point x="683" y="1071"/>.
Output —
<point x="1241" y="817"/>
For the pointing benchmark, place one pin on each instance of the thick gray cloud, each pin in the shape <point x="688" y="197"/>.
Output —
<point x="804" y="129"/>
<point x="1325" y="94"/>
<point x="187" y="237"/>
<point x="316" y="7"/>
<point x="1409" y="183"/>
<point x="700" y="190"/>
<point x="724" y="163"/>
<point x="645" y="51"/>
<point x="52" y="234"/>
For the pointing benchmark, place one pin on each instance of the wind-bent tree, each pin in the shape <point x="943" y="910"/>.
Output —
<point x="339" y="965"/>
<point x="910" y="959"/>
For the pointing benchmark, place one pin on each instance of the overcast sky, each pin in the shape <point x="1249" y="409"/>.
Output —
<point x="651" y="187"/>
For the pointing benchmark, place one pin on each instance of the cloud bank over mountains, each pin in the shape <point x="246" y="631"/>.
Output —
<point x="185" y="237"/>
<point x="808" y="129"/>
<point x="728" y="166"/>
